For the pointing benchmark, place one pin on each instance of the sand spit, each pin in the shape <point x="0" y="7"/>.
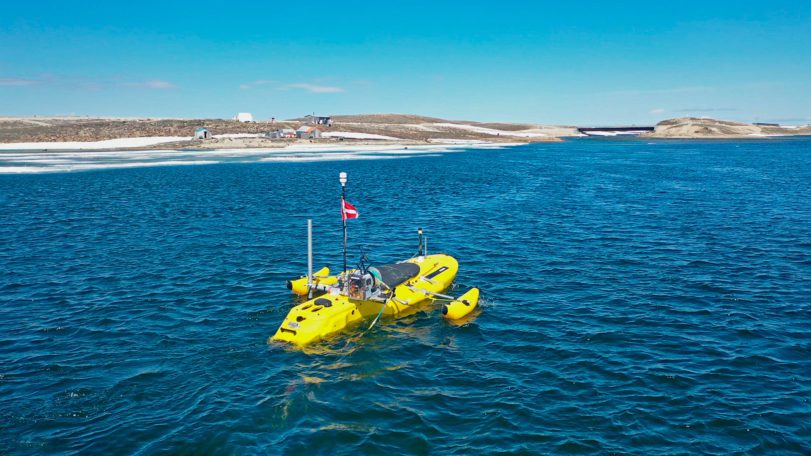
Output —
<point x="84" y="133"/>
<point x="705" y="128"/>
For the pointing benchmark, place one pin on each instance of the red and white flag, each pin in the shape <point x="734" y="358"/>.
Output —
<point x="348" y="211"/>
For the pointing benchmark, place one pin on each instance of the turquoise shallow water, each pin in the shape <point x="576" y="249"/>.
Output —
<point x="648" y="298"/>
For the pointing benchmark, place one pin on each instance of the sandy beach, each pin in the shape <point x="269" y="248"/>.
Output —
<point x="79" y="133"/>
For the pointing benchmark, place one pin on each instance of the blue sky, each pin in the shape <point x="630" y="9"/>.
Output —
<point x="583" y="63"/>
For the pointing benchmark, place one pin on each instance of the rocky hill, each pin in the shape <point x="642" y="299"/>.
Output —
<point x="693" y="127"/>
<point x="402" y="127"/>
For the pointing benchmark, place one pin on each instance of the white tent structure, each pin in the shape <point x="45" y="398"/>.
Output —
<point x="202" y="133"/>
<point x="243" y="117"/>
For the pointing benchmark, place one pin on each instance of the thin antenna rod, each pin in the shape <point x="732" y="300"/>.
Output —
<point x="309" y="253"/>
<point x="420" y="247"/>
<point x="342" y="178"/>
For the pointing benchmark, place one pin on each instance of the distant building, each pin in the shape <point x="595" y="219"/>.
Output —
<point x="202" y="133"/>
<point x="281" y="133"/>
<point x="318" y="120"/>
<point x="244" y="117"/>
<point x="308" y="132"/>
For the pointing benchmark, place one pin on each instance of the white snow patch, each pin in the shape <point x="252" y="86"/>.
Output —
<point x="457" y="141"/>
<point x="493" y="131"/>
<point x="88" y="145"/>
<point x="91" y="166"/>
<point x="354" y="135"/>
<point x="54" y="162"/>
<point x="239" y="135"/>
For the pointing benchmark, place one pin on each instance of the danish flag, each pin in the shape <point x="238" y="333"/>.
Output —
<point x="348" y="211"/>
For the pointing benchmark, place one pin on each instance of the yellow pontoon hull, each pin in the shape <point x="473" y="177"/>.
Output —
<point x="320" y="277"/>
<point x="461" y="306"/>
<point x="329" y="314"/>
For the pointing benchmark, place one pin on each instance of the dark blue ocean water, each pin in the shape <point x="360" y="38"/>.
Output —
<point x="639" y="297"/>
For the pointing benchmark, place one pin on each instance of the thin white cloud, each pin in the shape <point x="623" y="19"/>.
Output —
<point x="17" y="82"/>
<point x="789" y="119"/>
<point x="155" y="84"/>
<point x="707" y="109"/>
<point x="258" y="82"/>
<point x="662" y="91"/>
<point x="698" y="89"/>
<point x="313" y="88"/>
<point x="657" y="111"/>
<point x="85" y="83"/>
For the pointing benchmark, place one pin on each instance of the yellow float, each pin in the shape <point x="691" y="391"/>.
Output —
<point x="302" y="287"/>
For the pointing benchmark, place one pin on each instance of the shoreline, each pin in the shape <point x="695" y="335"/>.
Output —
<point x="723" y="137"/>
<point x="256" y="143"/>
<point x="65" y="161"/>
<point x="64" y="134"/>
<point x="94" y="133"/>
<point x="233" y="142"/>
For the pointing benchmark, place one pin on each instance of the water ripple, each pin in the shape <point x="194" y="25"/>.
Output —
<point x="637" y="298"/>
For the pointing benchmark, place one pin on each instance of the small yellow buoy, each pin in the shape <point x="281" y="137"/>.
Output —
<point x="322" y="277"/>
<point x="462" y="306"/>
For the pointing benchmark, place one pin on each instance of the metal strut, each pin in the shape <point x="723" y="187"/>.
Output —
<point x="342" y="179"/>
